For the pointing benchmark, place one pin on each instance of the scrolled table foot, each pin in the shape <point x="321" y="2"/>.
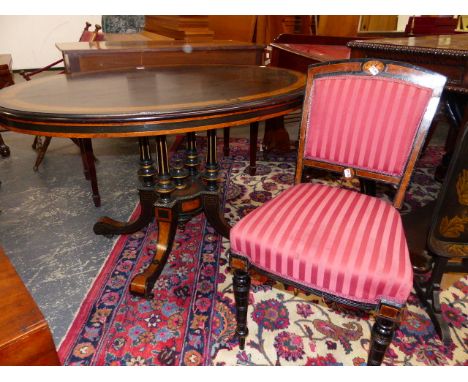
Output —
<point x="143" y="283"/>
<point x="109" y="226"/>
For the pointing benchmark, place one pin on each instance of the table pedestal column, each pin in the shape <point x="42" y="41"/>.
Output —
<point x="171" y="205"/>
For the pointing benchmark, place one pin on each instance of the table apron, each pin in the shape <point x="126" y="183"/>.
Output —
<point x="148" y="128"/>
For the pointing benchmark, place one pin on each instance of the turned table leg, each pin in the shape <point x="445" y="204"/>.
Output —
<point x="166" y="212"/>
<point x="211" y="200"/>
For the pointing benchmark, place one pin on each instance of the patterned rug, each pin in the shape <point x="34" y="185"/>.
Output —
<point x="191" y="321"/>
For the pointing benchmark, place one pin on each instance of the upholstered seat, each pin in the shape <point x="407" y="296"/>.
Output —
<point x="333" y="240"/>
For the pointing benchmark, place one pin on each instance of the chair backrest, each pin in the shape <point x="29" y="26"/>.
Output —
<point x="448" y="235"/>
<point x="367" y="118"/>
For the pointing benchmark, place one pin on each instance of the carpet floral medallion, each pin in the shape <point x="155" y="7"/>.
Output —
<point x="191" y="318"/>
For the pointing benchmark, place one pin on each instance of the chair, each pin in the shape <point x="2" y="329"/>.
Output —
<point x="84" y="144"/>
<point x="362" y="118"/>
<point x="445" y="237"/>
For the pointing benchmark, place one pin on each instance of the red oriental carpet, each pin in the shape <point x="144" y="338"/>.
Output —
<point x="190" y="320"/>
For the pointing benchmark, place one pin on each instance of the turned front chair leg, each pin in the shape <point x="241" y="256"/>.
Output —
<point x="386" y="322"/>
<point x="241" y="285"/>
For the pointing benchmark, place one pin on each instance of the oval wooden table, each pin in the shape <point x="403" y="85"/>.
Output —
<point x="156" y="102"/>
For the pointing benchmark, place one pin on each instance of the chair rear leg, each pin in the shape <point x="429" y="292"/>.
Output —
<point x="89" y="159"/>
<point x="241" y="285"/>
<point x="84" y="160"/>
<point x="4" y="149"/>
<point x="368" y="187"/>
<point x="429" y="294"/>
<point x="41" y="152"/>
<point x="37" y="143"/>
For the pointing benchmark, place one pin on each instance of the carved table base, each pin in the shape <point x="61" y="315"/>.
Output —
<point x="175" y="198"/>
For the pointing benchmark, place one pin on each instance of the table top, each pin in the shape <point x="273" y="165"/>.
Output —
<point x="450" y="45"/>
<point x="155" y="101"/>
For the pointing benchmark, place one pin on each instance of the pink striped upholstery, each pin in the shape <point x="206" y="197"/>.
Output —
<point x="364" y="122"/>
<point x="331" y="239"/>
